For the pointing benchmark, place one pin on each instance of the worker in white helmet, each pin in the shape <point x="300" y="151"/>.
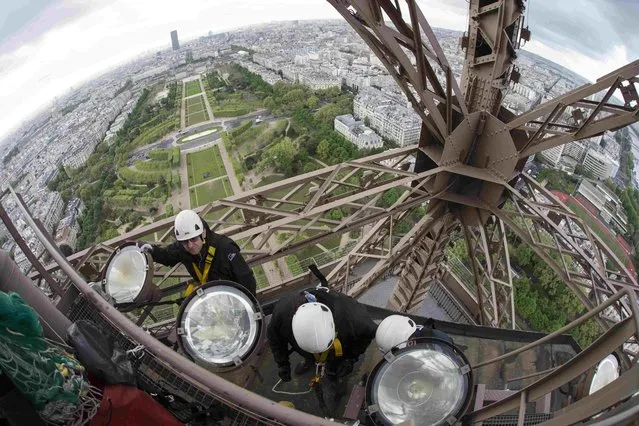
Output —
<point x="328" y="329"/>
<point x="395" y="330"/>
<point x="206" y="255"/>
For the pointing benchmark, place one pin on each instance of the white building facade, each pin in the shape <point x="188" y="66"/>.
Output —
<point x="391" y="119"/>
<point x="600" y="166"/>
<point x="356" y="132"/>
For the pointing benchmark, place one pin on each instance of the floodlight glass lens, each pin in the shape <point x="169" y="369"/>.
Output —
<point x="126" y="275"/>
<point x="219" y="326"/>
<point x="607" y="372"/>
<point x="423" y="384"/>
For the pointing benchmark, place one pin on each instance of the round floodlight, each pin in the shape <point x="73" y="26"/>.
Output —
<point x="219" y="324"/>
<point x="429" y="382"/>
<point x="607" y="371"/>
<point x="127" y="276"/>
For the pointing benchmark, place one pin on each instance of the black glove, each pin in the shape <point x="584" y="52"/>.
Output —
<point x="345" y="367"/>
<point x="285" y="373"/>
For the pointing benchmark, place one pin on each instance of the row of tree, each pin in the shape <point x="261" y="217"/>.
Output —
<point x="145" y="123"/>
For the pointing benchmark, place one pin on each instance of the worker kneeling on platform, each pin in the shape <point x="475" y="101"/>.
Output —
<point x="330" y="330"/>
<point x="395" y="330"/>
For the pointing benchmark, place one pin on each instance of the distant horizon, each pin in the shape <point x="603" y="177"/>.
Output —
<point x="184" y="42"/>
<point x="188" y="37"/>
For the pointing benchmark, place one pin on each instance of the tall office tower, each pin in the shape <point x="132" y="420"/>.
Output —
<point x="174" y="40"/>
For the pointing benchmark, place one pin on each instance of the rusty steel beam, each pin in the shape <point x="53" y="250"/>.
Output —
<point x="422" y="264"/>
<point x="491" y="41"/>
<point x="490" y="260"/>
<point x="562" y="375"/>
<point x="599" y="115"/>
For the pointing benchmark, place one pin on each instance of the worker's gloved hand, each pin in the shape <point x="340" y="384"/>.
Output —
<point x="285" y="373"/>
<point x="345" y="367"/>
<point x="146" y="248"/>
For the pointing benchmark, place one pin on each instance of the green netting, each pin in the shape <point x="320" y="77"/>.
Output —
<point x="50" y="378"/>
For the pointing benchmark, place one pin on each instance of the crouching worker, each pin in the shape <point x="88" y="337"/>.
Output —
<point x="397" y="329"/>
<point x="329" y="330"/>
<point x="206" y="255"/>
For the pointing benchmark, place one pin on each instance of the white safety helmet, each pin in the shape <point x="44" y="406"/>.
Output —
<point x="394" y="330"/>
<point x="313" y="327"/>
<point x="188" y="225"/>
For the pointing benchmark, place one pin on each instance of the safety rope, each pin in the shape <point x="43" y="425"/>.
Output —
<point x="310" y="389"/>
<point x="49" y="377"/>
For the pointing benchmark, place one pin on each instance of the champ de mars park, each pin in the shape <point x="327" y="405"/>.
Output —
<point x="191" y="142"/>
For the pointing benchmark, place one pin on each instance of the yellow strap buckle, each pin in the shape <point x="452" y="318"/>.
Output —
<point x="202" y="276"/>
<point x="315" y="380"/>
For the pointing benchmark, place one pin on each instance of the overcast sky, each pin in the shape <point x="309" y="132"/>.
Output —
<point x="46" y="46"/>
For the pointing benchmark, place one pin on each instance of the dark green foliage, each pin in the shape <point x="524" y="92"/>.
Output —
<point x="98" y="179"/>
<point x="158" y="154"/>
<point x="151" y="165"/>
<point x="543" y="300"/>
<point x="241" y="128"/>
<point x="240" y="78"/>
<point x="558" y="180"/>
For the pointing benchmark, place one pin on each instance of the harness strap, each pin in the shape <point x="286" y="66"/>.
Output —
<point x="202" y="276"/>
<point x="320" y="360"/>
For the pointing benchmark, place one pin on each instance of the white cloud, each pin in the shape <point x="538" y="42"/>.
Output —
<point x="115" y="31"/>
<point x="32" y="75"/>
<point x="591" y="68"/>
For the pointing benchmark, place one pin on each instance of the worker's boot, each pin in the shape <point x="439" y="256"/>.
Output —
<point x="304" y="366"/>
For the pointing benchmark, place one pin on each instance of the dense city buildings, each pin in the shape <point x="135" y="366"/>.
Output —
<point x="599" y="160"/>
<point x="386" y="115"/>
<point x="69" y="228"/>
<point x="319" y="54"/>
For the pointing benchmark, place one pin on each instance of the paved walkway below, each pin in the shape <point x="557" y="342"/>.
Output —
<point x="228" y="165"/>
<point x="183" y="108"/>
<point x="183" y="199"/>
<point x="206" y="99"/>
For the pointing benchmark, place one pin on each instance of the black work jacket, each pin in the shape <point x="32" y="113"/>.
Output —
<point x="354" y="327"/>
<point x="228" y="263"/>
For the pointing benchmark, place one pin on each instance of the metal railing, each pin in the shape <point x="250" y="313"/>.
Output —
<point x="622" y="388"/>
<point x="176" y="373"/>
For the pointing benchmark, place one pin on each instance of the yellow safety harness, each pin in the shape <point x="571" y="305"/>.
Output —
<point x="320" y="360"/>
<point x="202" y="276"/>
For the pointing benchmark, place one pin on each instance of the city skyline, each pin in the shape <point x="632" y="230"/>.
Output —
<point x="38" y="62"/>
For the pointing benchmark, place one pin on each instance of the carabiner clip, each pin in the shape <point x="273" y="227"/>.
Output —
<point x="320" y="369"/>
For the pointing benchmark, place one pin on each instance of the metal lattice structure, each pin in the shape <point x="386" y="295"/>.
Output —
<point x="466" y="172"/>
<point x="463" y="178"/>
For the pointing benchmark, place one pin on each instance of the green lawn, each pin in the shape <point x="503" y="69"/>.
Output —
<point x="196" y="117"/>
<point x="217" y="214"/>
<point x="202" y="162"/>
<point x="211" y="191"/>
<point x="270" y="179"/>
<point x="260" y="276"/>
<point x="194" y="104"/>
<point x="193" y="88"/>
